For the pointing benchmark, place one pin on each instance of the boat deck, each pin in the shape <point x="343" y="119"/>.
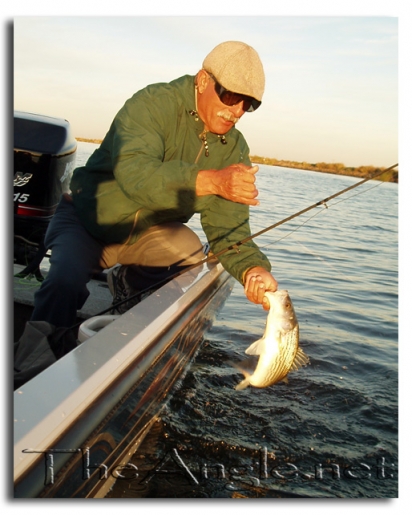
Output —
<point x="24" y="289"/>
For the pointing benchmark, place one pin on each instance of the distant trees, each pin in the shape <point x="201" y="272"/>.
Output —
<point x="337" y="168"/>
<point x="87" y="140"/>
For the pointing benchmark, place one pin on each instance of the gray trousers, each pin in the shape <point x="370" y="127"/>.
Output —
<point x="76" y="255"/>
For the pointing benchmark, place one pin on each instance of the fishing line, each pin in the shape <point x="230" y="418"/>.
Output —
<point x="293" y="230"/>
<point x="307" y="249"/>
<point x="357" y="194"/>
<point x="318" y="213"/>
<point x="236" y="246"/>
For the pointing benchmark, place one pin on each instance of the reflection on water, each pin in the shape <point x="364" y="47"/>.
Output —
<point x="332" y="431"/>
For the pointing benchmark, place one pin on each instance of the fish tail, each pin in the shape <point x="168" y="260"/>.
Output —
<point x="246" y="381"/>
<point x="243" y="384"/>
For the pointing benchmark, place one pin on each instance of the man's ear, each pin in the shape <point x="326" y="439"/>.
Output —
<point x="202" y="80"/>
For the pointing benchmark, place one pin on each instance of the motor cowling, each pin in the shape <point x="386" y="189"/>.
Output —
<point x="44" y="160"/>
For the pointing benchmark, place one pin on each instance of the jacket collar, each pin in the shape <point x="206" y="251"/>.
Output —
<point x="187" y="90"/>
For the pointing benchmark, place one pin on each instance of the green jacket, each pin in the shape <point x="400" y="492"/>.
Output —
<point x="144" y="173"/>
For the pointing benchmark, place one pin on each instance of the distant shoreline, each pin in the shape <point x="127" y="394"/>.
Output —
<point x="335" y="168"/>
<point x="87" y="140"/>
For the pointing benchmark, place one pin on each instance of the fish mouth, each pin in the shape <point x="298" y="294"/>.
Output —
<point x="282" y="308"/>
<point x="277" y="293"/>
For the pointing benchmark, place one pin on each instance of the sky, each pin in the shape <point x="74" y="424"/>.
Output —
<point x="331" y="80"/>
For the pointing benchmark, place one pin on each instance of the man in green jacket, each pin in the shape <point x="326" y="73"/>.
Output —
<point x="171" y="151"/>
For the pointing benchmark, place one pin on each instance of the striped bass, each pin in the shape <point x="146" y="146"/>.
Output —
<point x="278" y="349"/>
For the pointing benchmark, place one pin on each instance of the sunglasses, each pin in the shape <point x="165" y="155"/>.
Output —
<point x="230" y="98"/>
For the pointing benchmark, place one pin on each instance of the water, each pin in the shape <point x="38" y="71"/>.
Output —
<point x="332" y="431"/>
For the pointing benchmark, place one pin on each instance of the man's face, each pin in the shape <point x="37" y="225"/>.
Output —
<point x="217" y="117"/>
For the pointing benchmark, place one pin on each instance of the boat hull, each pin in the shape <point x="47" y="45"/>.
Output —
<point x="78" y="422"/>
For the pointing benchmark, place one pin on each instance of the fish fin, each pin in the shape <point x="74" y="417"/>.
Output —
<point x="256" y="348"/>
<point x="301" y="360"/>
<point x="285" y="380"/>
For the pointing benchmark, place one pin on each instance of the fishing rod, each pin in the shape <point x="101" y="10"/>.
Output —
<point x="299" y="213"/>
<point x="236" y="246"/>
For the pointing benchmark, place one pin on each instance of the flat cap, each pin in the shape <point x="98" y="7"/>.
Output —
<point x="237" y="67"/>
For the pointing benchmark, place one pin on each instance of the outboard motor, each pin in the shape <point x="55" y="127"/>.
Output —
<point x="44" y="159"/>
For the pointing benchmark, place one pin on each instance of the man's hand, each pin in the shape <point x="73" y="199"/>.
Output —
<point x="235" y="183"/>
<point x="257" y="282"/>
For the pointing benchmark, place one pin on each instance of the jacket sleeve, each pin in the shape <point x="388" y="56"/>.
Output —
<point x="139" y="147"/>
<point x="227" y="223"/>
